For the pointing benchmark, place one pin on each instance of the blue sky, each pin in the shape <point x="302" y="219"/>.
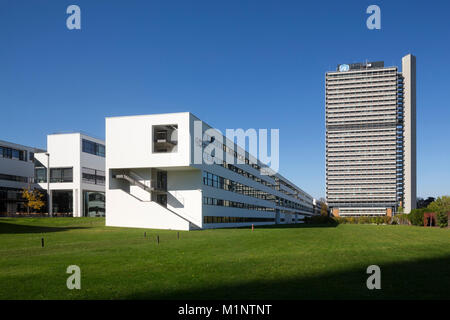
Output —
<point x="234" y="64"/>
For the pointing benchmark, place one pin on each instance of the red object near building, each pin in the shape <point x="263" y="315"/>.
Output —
<point x="429" y="219"/>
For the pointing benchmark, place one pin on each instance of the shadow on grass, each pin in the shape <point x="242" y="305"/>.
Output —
<point x="12" y="228"/>
<point x="417" y="280"/>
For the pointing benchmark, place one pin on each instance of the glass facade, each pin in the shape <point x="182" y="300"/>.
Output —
<point x="40" y="175"/>
<point x="234" y="204"/>
<point x="9" y="177"/>
<point x="10" y="153"/>
<point x="61" y="174"/>
<point x="93" y="204"/>
<point x="93" y="148"/>
<point x="11" y="201"/>
<point x="93" y="176"/>
<point x="216" y="181"/>
<point x="62" y="202"/>
<point x="58" y="175"/>
<point x="219" y="219"/>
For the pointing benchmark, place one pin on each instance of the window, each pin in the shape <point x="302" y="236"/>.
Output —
<point x="13" y="178"/>
<point x="215" y="181"/>
<point x="14" y="154"/>
<point x="40" y="175"/>
<point x="165" y="138"/>
<point x="94" y="148"/>
<point x="61" y="175"/>
<point x="219" y="219"/>
<point x="93" y="204"/>
<point x="62" y="202"/>
<point x="93" y="176"/>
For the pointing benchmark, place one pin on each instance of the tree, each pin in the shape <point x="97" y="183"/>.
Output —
<point x="423" y="203"/>
<point x="440" y="205"/>
<point x="323" y="209"/>
<point x="33" y="199"/>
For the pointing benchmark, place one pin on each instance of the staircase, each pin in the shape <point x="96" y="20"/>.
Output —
<point x="135" y="179"/>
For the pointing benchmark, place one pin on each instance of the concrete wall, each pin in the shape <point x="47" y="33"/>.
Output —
<point x="410" y="188"/>
<point x="129" y="141"/>
<point x="66" y="152"/>
<point x="125" y="208"/>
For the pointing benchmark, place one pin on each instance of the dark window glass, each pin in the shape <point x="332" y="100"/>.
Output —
<point x="93" y="148"/>
<point x="93" y="176"/>
<point x="93" y="204"/>
<point x="40" y="175"/>
<point x="61" y="175"/>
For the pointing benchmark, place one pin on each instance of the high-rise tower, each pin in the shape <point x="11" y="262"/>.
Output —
<point x="371" y="138"/>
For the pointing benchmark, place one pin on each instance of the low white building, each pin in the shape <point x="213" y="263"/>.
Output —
<point x="154" y="180"/>
<point x="77" y="174"/>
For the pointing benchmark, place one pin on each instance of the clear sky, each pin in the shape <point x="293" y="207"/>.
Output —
<point x="234" y="64"/>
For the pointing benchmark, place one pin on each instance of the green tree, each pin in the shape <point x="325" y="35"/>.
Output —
<point x="442" y="219"/>
<point x="440" y="205"/>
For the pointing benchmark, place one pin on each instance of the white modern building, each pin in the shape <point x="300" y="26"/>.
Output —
<point x="371" y="138"/>
<point x="76" y="181"/>
<point x="16" y="173"/>
<point x="154" y="178"/>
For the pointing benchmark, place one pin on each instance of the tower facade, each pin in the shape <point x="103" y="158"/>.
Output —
<point x="371" y="138"/>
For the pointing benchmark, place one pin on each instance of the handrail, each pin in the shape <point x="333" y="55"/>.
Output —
<point x="133" y="181"/>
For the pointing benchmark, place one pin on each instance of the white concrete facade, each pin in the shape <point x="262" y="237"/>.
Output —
<point x="409" y="132"/>
<point x="84" y="171"/>
<point x="153" y="180"/>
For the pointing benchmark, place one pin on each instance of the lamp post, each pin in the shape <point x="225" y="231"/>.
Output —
<point x="49" y="193"/>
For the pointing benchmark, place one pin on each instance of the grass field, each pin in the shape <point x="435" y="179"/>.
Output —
<point x="277" y="262"/>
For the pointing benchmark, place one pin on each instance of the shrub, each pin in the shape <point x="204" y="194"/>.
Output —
<point x="363" y="220"/>
<point x="320" y="220"/>
<point x="401" y="219"/>
<point x="442" y="219"/>
<point x="416" y="216"/>
<point x="340" y="220"/>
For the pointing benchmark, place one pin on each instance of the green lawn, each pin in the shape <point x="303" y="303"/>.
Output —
<point x="290" y="262"/>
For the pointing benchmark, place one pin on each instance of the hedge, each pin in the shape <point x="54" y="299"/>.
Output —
<point x="442" y="219"/>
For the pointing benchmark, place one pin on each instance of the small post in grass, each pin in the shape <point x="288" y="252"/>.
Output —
<point x="145" y="234"/>
<point x="253" y="227"/>
<point x="178" y="235"/>
<point x="42" y="242"/>
<point x="157" y="239"/>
